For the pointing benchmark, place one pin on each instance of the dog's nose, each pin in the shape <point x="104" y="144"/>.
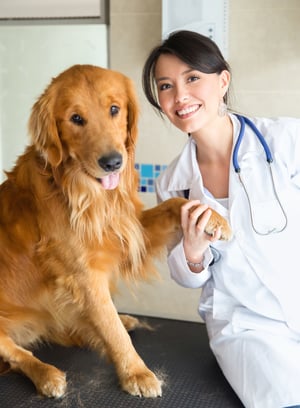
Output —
<point x="110" y="162"/>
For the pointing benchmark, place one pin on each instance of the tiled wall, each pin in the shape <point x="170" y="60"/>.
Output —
<point x="148" y="174"/>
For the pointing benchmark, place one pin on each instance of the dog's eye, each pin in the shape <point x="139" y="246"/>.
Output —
<point x="114" y="110"/>
<point x="77" y="119"/>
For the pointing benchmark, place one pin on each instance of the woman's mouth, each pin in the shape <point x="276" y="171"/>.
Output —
<point x="186" y="112"/>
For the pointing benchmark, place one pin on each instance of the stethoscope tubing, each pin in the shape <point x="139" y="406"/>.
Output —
<point x="243" y="121"/>
<point x="269" y="158"/>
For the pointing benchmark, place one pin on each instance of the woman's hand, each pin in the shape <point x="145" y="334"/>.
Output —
<point x="194" y="217"/>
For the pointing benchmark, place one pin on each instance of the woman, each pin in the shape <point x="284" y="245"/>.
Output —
<point x="250" y="285"/>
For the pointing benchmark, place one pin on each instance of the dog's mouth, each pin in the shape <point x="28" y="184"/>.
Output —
<point x="110" y="181"/>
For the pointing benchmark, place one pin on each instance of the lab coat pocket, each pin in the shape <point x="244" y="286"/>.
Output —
<point x="245" y="319"/>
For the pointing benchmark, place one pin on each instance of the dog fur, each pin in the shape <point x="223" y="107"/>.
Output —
<point x="72" y="223"/>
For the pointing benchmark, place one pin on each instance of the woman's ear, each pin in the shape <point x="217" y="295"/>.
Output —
<point x="224" y="82"/>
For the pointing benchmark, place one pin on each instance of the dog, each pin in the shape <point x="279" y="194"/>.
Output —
<point x="72" y="223"/>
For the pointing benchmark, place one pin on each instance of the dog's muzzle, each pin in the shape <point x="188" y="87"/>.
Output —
<point x="111" y="162"/>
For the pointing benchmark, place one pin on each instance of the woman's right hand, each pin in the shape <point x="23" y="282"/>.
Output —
<point x="194" y="218"/>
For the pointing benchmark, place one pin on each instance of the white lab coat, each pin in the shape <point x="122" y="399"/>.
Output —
<point x="251" y="297"/>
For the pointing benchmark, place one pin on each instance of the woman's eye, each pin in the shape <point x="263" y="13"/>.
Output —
<point x="193" y="78"/>
<point x="114" y="110"/>
<point x="77" y="119"/>
<point x="163" y="87"/>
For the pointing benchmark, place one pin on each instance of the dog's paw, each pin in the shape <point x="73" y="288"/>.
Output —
<point x="132" y="323"/>
<point x="215" y="221"/>
<point x="143" y="384"/>
<point x="53" y="383"/>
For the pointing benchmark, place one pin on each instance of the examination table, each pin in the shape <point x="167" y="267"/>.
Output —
<point x="177" y="350"/>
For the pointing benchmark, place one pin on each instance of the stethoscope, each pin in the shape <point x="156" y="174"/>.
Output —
<point x="269" y="158"/>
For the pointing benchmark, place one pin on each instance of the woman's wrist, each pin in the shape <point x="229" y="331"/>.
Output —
<point x="194" y="257"/>
<point x="195" y="265"/>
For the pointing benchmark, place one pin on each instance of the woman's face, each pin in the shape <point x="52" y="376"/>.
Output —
<point x="189" y="98"/>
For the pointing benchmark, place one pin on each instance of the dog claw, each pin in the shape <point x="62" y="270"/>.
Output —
<point x="216" y="221"/>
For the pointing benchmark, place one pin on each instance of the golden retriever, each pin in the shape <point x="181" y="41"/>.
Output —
<point x="71" y="222"/>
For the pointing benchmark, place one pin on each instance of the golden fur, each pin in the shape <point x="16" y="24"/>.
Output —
<point x="71" y="223"/>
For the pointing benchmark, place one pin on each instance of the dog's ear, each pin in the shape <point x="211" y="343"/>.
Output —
<point x="132" y="119"/>
<point x="43" y="129"/>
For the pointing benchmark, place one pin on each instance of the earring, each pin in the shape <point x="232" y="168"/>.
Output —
<point x="222" y="108"/>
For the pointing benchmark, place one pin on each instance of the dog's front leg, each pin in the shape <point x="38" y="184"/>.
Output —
<point x="48" y="380"/>
<point x="134" y="376"/>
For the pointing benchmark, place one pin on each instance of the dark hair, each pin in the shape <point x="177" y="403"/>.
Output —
<point x="196" y="50"/>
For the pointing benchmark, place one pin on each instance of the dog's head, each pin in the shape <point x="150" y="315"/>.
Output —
<point x="87" y="117"/>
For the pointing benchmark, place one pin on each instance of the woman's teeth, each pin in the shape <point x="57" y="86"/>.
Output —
<point x="188" y="110"/>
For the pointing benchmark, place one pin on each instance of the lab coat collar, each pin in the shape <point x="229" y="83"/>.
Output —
<point x="250" y="148"/>
<point x="183" y="175"/>
<point x="250" y="155"/>
<point x="185" y="172"/>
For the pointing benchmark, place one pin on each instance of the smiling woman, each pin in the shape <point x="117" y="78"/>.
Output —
<point x="250" y="309"/>
<point x="185" y="95"/>
<point x="183" y="47"/>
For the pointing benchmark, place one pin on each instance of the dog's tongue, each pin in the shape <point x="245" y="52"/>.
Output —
<point x="111" y="181"/>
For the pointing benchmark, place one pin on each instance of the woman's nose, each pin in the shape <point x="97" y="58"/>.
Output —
<point x="181" y="96"/>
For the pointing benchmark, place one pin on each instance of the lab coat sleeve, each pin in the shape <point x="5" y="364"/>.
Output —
<point x="295" y="148"/>
<point x="180" y="271"/>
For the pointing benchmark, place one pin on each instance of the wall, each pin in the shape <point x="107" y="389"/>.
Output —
<point x="264" y="40"/>
<point x="264" y="54"/>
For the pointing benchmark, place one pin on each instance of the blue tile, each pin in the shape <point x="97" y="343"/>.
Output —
<point x="147" y="170"/>
<point x="148" y="173"/>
